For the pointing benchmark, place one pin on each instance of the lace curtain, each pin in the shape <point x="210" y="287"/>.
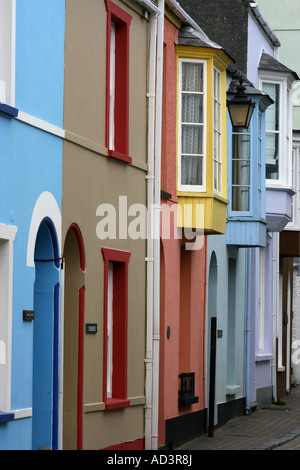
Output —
<point x="192" y="123"/>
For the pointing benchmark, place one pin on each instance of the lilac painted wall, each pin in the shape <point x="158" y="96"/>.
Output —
<point x="259" y="361"/>
<point x="257" y="42"/>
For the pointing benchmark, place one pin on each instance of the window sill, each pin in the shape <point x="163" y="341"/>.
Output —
<point x="264" y="357"/>
<point x="119" y="156"/>
<point x="6" y="416"/>
<point x="232" y="389"/>
<point x="8" y="110"/>
<point x="116" y="403"/>
<point x="188" y="401"/>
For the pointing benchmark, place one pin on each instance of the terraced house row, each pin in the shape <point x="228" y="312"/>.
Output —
<point x="149" y="242"/>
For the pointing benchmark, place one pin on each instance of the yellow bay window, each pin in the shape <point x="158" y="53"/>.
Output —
<point x="201" y="149"/>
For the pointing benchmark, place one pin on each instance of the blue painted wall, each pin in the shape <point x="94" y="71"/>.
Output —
<point x="40" y="58"/>
<point x="231" y="315"/>
<point x="31" y="163"/>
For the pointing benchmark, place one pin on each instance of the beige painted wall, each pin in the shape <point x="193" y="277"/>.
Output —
<point x="85" y="66"/>
<point x="90" y="178"/>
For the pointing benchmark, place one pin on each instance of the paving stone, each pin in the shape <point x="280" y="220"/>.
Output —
<point x="264" y="429"/>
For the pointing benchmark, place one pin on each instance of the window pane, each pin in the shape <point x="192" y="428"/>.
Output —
<point x="192" y="140"/>
<point x="272" y="131"/>
<point x="272" y="121"/>
<point x="271" y="146"/>
<point x="272" y="112"/>
<point x="217" y="85"/>
<point x="215" y="174"/>
<point x="192" y="123"/>
<point x="192" y="108"/>
<point x="240" y="172"/>
<point x="241" y="146"/>
<point x="191" y="170"/>
<point x="240" y="199"/>
<point x="217" y="115"/>
<point x="216" y="145"/>
<point x="217" y="155"/>
<point x="272" y="143"/>
<point x="192" y="77"/>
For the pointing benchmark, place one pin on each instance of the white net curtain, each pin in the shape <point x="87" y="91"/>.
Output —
<point x="192" y="120"/>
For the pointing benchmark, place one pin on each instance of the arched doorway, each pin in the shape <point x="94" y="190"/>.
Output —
<point x="46" y="338"/>
<point x="74" y="289"/>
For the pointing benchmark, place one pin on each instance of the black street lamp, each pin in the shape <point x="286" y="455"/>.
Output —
<point x="240" y="107"/>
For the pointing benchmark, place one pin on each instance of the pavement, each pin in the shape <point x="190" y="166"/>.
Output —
<point x="276" y="427"/>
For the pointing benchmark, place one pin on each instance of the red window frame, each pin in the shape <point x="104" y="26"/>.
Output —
<point x="122" y="22"/>
<point x="120" y="260"/>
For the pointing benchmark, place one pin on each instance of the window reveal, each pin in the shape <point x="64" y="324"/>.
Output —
<point x="117" y="82"/>
<point x="115" y="328"/>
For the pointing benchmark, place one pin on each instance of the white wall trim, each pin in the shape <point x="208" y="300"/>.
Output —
<point x="8" y="232"/>
<point x="13" y="50"/>
<point x="24" y="413"/>
<point x="7" y="235"/>
<point x="40" y="124"/>
<point x="46" y="206"/>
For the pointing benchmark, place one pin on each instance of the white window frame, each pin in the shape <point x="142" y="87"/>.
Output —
<point x="295" y="222"/>
<point x="217" y="161"/>
<point x="182" y="187"/>
<point x="285" y="128"/>
<point x="7" y="51"/>
<point x="112" y="86"/>
<point x="247" y="133"/>
<point x="110" y="329"/>
<point x="7" y="236"/>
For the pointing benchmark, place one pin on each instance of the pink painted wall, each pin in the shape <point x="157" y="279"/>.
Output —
<point x="168" y="171"/>
<point x="183" y="275"/>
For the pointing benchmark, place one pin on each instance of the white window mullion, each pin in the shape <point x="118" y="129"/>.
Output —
<point x="112" y="87"/>
<point x="109" y="330"/>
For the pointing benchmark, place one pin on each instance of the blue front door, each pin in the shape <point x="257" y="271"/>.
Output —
<point x="45" y="342"/>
